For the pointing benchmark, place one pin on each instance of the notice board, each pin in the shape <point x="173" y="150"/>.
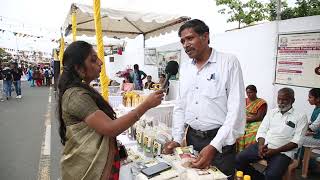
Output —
<point x="298" y="59"/>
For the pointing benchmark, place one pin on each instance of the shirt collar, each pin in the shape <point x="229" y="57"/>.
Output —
<point x="212" y="58"/>
<point x="289" y="112"/>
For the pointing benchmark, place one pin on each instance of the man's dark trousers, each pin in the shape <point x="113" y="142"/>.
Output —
<point x="277" y="164"/>
<point x="224" y="161"/>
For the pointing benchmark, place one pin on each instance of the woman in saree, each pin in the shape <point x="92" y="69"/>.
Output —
<point x="256" y="109"/>
<point x="88" y="124"/>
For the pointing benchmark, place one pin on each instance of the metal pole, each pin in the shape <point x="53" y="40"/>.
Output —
<point x="278" y="10"/>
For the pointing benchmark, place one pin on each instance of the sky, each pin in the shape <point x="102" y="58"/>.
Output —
<point x="45" y="17"/>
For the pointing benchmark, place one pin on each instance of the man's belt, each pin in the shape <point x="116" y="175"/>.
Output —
<point x="209" y="133"/>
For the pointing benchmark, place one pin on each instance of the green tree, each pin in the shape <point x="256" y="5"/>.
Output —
<point x="272" y="10"/>
<point x="307" y="8"/>
<point x="4" y="56"/>
<point x="246" y="13"/>
<point x="303" y="8"/>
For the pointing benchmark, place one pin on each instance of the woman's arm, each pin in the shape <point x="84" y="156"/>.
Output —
<point x="103" y="124"/>
<point x="315" y="125"/>
<point x="260" y="114"/>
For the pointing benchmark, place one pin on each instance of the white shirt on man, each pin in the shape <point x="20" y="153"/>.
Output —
<point x="212" y="97"/>
<point x="279" y="129"/>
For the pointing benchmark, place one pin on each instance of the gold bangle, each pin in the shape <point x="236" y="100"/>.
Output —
<point x="137" y="114"/>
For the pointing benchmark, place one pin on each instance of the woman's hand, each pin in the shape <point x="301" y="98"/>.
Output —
<point x="154" y="99"/>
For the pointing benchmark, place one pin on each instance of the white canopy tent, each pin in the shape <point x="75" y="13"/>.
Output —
<point x="90" y="21"/>
<point x="121" y="23"/>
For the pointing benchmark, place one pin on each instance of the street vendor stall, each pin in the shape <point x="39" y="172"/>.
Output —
<point x="148" y="135"/>
<point x="93" y="20"/>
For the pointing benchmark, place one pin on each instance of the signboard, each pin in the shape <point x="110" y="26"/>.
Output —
<point x="298" y="59"/>
<point x="150" y="56"/>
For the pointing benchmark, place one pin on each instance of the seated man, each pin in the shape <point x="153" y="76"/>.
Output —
<point x="278" y="137"/>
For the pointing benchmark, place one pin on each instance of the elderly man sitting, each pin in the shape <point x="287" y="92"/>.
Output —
<point x="278" y="137"/>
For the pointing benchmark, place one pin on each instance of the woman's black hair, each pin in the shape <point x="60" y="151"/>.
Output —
<point x="315" y="92"/>
<point x="75" y="55"/>
<point x="252" y="88"/>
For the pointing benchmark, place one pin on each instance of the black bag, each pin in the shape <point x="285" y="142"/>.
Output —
<point x="7" y="74"/>
<point x="123" y="154"/>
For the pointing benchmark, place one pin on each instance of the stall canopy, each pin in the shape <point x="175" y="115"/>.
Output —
<point x="121" y="24"/>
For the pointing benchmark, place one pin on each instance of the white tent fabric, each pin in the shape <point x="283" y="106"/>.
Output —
<point x="92" y="40"/>
<point x="121" y="24"/>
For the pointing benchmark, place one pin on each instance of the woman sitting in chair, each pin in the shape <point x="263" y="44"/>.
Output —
<point x="256" y="109"/>
<point x="312" y="137"/>
<point x="127" y="85"/>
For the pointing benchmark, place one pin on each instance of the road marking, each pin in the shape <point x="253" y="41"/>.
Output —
<point x="44" y="163"/>
<point x="47" y="141"/>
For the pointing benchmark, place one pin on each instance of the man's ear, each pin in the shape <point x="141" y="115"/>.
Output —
<point x="293" y="100"/>
<point x="205" y="36"/>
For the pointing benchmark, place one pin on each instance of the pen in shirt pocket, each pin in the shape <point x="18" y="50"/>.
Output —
<point x="212" y="76"/>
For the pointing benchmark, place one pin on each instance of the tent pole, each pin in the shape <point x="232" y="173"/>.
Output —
<point x="61" y="51"/>
<point x="104" y="79"/>
<point x="74" y="23"/>
<point x="144" y="41"/>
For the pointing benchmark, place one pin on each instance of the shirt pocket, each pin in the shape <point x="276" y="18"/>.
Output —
<point x="287" y="131"/>
<point x="212" y="89"/>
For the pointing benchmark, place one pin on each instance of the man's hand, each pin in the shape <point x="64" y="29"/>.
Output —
<point x="205" y="157"/>
<point x="271" y="152"/>
<point x="310" y="133"/>
<point x="169" y="147"/>
<point x="262" y="150"/>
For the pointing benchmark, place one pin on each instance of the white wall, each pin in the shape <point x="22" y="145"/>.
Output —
<point x="133" y="54"/>
<point x="256" y="49"/>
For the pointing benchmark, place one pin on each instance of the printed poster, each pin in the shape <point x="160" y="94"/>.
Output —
<point x="298" y="60"/>
<point x="150" y="56"/>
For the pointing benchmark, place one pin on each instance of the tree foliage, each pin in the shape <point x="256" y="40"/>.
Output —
<point x="254" y="11"/>
<point x="243" y="13"/>
<point x="303" y="8"/>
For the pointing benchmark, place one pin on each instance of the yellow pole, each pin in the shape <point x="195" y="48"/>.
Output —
<point x="74" y="23"/>
<point x="104" y="79"/>
<point x="61" y="53"/>
<point x="55" y="56"/>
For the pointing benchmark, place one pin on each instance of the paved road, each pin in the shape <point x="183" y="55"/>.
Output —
<point x="22" y="132"/>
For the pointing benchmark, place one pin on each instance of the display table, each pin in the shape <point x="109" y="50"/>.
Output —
<point x="129" y="171"/>
<point x="160" y="114"/>
<point x="115" y="100"/>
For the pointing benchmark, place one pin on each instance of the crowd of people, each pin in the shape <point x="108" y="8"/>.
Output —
<point x="211" y="113"/>
<point x="11" y="74"/>
<point x="40" y="76"/>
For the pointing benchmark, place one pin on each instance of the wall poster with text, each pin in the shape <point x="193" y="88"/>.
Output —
<point x="298" y="59"/>
<point x="150" y="56"/>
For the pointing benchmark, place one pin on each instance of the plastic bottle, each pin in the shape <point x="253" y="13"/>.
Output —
<point x="148" y="138"/>
<point x="239" y="175"/>
<point x="246" y="177"/>
<point x="139" y="138"/>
